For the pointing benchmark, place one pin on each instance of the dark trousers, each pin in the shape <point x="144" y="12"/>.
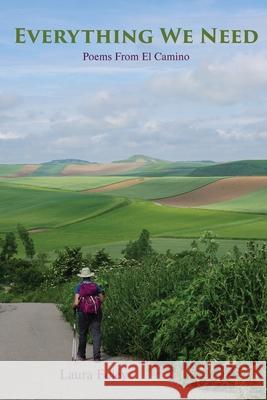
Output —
<point x="92" y="322"/>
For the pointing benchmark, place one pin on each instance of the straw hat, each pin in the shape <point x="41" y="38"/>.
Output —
<point x="85" y="273"/>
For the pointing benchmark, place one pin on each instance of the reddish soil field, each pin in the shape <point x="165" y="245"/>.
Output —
<point x="27" y="170"/>
<point x="216" y="192"/>
<point x="100" y="169"/>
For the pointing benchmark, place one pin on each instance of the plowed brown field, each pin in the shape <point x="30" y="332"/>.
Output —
<point x="100" y="169"/>
<point x="27" y="170"/>
<point x="221" y="190"/>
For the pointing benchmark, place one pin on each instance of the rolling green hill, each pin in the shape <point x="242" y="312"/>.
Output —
<point x="48" y="209"/>
<point x="155" y="188"/>
<point x="235" y="168"/>
<point x="50" y="169"/>
<point x="255" y="202"/>
<point x="139" y="157"/>
<point x="61" y="214"/>
<point x="74" y="183"/>
<point x="78" y="219"/>
<point x="168" y="168"/>
<point x="152" y="167"/>
<point x="10" y="169"/>
<point x="126" y="222"/>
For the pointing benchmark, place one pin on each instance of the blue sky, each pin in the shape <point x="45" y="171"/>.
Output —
<point x="55" y="105"/>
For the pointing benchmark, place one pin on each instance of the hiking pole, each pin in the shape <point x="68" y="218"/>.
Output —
<point x="74" y="340"/>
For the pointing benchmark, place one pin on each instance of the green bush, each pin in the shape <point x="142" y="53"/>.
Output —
<point x="67" y="264"/>
<point x="189" y="306"/>
<point x="25" y="277"/>
<point x="27" y="241"/>
<point x="140" y="248"/>
<point x="100" y="260"/>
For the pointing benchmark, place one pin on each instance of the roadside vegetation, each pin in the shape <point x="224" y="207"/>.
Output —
<point x="171" y="306"/>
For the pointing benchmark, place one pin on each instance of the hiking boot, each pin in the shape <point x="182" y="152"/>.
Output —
<point x="80" y="358"/>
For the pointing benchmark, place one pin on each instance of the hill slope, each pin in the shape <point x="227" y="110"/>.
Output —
<point x="219" y="191"/>
<point x="235" y="168"/>
<point x="139" y="158"/>
<point x="154" y="188"/>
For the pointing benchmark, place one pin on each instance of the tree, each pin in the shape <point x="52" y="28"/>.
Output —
<point x="68" y="263"/>
<point x="140" y="248"/>
<point x="9" y="247"/>
<point x="26" y="240"/>
<point x="101" y="259"/>
<point x="25" y="276"/>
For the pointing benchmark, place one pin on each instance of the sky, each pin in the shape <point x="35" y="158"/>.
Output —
<point x="54" y="105"/>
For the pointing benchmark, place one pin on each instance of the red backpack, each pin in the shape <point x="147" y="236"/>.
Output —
<point x="89" y="300"/>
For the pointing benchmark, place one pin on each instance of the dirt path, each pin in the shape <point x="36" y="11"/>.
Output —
<point x="37" y="230"/>
<point x="116" y="186"/>
<point x="221" y="190"/>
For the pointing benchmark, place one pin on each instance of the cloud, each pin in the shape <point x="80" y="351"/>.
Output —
<point x="243" y="135"/>
<point x="9" y="136"/>
<point x="207" y="112"/>
<point x="9" y="100"/>
<point x="226" y="82"/>
<point x="120" y="120"/>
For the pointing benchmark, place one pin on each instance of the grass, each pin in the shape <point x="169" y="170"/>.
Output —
<point x="94" y="220"/>
<point x="255" y="202"/>
<point x="74" y="183"/>
<point x="155" y="188"/>
<point x="160" y="244"/>
<point x="10" y="169"/>
<point x="126" y="222"/>
<point x="48" y="209"/>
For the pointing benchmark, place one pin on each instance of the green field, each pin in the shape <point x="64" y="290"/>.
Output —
<point x="155" y="188"/>
<point x="74" y="183"/>
<point x="255" y="202"/>
<point x="45" y="208"/>
<point x="164" y="244"/>
<point x="126" y="222"/>
<point x="93" y="221"/>
<point x="10" y="169"/>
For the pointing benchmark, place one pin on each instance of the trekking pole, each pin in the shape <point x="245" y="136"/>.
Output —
<point x="74" y="340"/>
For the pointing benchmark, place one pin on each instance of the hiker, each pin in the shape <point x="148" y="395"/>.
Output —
<point x="87" y="301"/>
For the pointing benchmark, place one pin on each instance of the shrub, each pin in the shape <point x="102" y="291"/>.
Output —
<point x="26" y="241"/>
<point x="67" y="264"/>
<point x="25" y="276"/>
<point x="189" y="306"/>
<point x="101" y="259"/>
<point x="9" y="247"/>
<point x="140" y="248"/>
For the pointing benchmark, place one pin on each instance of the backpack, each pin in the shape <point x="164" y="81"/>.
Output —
<point x="89" y="301"/>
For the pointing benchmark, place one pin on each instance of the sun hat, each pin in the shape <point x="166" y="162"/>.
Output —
<point x="85" y="273"/>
